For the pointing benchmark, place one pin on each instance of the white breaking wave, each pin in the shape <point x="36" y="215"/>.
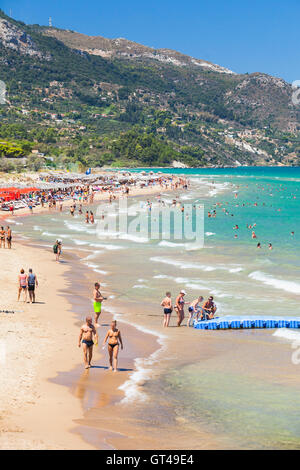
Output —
<point x="95" y="268"/>
<point x="80" y="242"/>
<point x="133" y="238"/>
<point x="107" y="247"/>
<point x="80" y="228"/>
<point x="209" y="234"/>
<point x="49" y="234"/>
<point x="143" y="372"/>
<point x="141" y="286"/>
<point x="202" y="267"/>
<point x="170" y="244"/>
<point x="100" y="271"/>
<point x="93" y="255"/>
<point x="288" y="286"/>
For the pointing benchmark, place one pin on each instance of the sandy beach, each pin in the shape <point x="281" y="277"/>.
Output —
<point x="193" y="388"/>
<point x="39" y="341"/>
<point x="36" y="414"/>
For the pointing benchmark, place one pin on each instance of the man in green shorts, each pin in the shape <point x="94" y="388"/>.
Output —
<point x="97" y="302"/>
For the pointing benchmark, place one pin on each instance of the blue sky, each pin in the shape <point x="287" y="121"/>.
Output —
<point x="245" y="36"/>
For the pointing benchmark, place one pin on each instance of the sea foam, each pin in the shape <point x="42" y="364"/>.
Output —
<point x="288" y="286"/>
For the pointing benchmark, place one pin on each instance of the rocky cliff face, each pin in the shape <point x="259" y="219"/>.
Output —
<point x="14" y="38"/>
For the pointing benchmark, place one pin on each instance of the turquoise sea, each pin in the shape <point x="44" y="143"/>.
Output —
<point x="240" y="388"/>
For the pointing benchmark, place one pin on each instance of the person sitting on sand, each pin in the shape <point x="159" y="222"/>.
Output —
<point x="22" y="284"/>
<point x="195" y="310"/>
<point x="209" y="308"/>
<point x="167" y="306"/>
<point x="87" y="333"/>
<point x="179" y="307"/>
<point x="114" y="340"/>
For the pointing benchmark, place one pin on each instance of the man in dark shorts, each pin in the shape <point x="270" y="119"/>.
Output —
<point x="167" y="306"/>
<point x="32" y="283"/>
<point x="8" y="237"/>
<point x="209" y="308"/>
<point x="87" y="333"/>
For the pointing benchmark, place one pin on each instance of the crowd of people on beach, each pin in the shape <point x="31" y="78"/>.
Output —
<point x="89" y="331"/>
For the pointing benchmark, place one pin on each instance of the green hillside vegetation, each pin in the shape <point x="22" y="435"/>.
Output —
<point x="82" y="109"/>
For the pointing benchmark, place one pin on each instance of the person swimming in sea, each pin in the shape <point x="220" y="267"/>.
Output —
<point x="114" y="341"/>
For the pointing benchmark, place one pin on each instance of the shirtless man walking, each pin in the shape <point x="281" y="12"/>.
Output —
<point x="167" y="306"/>
<point x="87" y="334"/>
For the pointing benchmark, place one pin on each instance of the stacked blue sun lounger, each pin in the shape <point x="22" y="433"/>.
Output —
<point x="247" y="322"/>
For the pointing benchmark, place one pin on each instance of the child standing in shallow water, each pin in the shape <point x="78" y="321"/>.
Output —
<point x="167" y="306"/>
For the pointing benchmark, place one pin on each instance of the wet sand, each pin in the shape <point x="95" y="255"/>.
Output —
<point x="37" y="340"/>
<point x="43" y="363"/>
<point x="100" y="418"/>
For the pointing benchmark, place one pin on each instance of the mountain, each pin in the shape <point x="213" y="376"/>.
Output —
<point x="122" y="48"/>
<point x="94" y="101"/>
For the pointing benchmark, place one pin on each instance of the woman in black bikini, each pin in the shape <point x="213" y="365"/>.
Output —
<point x="2" y="237"/>
<point x="114" y="340"/>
